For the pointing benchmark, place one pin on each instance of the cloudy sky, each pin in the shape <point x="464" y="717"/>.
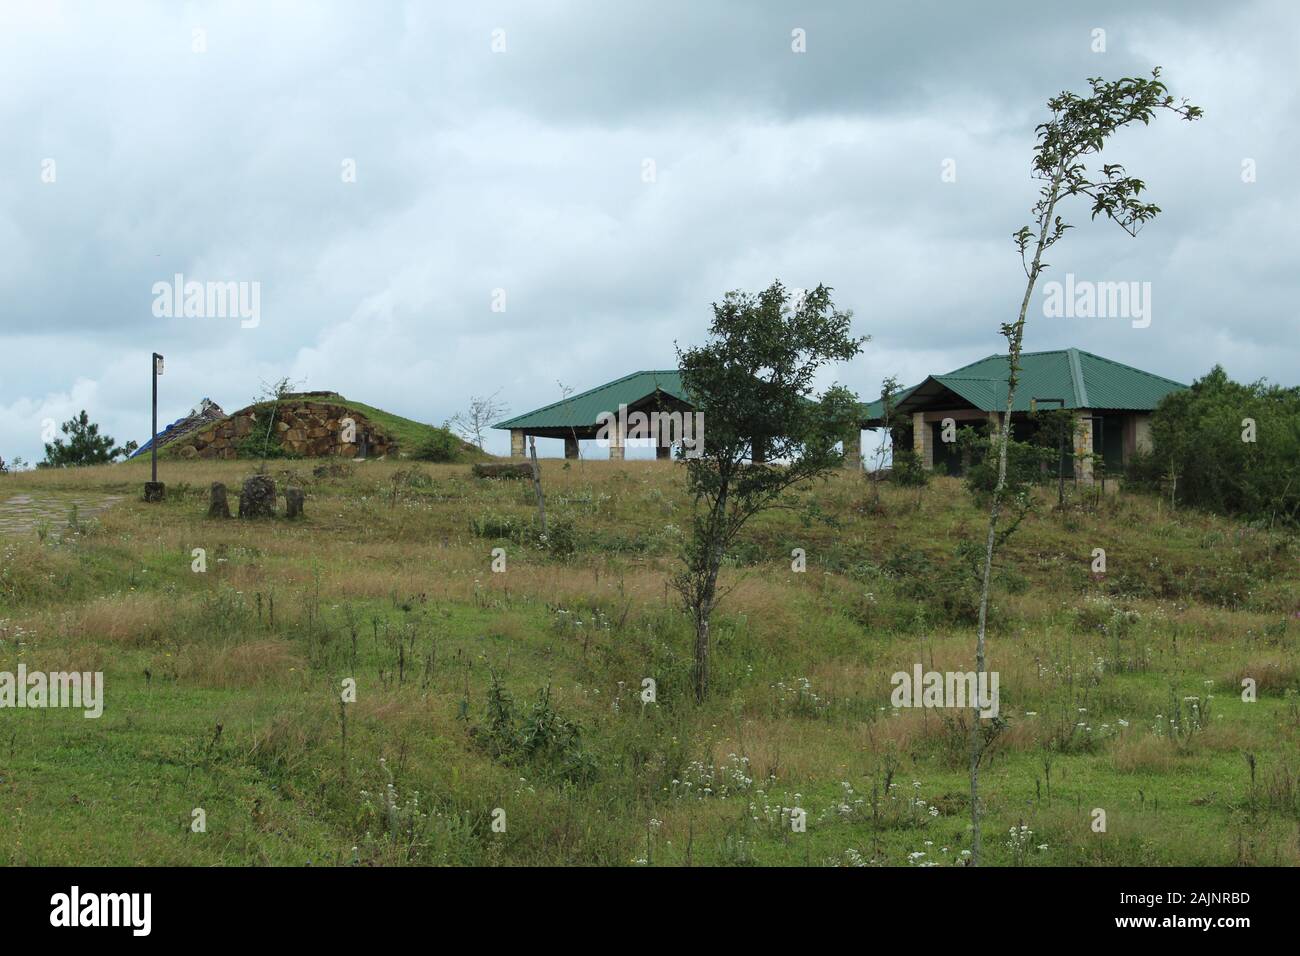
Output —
<point x="383" y="169"/>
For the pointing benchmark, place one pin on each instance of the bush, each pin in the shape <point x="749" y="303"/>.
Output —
<point x="908" y="472"/>
<point x="1024" y="464"/>
<point x="259" y="444"/>
<point x="440" y="446"/>
<point x="541" y="736"/>
<point x="1201" y="434"/>
<point x="1144" y="472"/>
<point x="496" y="526"/>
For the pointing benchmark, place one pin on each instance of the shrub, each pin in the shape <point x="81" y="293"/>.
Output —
<point x="1200" y="434"/>
<point x="541" y="736"/>
<point x="495" y="526"/>
<point x="1024" y="465"/>
<point x="908" y="472"/>
<point x="440" y="446"/>
<point x="258" y="444"/>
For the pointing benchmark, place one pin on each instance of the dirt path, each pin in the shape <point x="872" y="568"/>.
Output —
<point x="20" y="514"/>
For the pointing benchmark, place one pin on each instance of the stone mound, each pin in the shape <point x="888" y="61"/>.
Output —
<point x="308" y="429"/>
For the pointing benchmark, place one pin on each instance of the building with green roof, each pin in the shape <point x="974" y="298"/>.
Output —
<point x="1111" y="402"/>
<point x="579" y="416"/>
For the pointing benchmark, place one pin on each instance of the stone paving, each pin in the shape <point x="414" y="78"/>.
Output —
<point x="20" y="514"/>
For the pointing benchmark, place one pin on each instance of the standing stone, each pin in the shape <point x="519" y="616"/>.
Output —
<point x="154" y="491"/>
<point x="219" y="507"/>
<point x="293" y="502"/>
<point x="257" y="499"/>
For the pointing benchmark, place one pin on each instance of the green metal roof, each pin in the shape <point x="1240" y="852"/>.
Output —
<point x="581" y="410"/>
<point x="1080" y="379"/>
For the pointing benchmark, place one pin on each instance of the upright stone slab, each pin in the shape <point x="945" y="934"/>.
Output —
<point x="218" y="506"/>
<point x="293" y="502"/>
<point x="257" y="499"/>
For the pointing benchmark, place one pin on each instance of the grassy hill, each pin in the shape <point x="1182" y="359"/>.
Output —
<point x="411" y="436"/>
<point x="520" y="691"/>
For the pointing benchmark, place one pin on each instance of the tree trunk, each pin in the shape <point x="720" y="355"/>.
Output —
<point x="1016" y="338"/>
<point x="701" y="673"/>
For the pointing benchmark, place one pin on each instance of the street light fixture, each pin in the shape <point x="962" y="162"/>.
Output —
<point x="154" y="490"/>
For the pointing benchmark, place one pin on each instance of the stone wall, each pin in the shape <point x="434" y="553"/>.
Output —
<point x="304" y="429"/>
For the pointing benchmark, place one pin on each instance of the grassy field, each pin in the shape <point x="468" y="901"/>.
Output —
<point x="519" y="691"/>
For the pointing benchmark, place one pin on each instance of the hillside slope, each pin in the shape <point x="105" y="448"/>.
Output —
<point x="523" y="689"/>
<point x="312" y="425"/>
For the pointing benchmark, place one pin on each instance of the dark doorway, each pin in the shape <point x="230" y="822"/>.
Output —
<point x="1108" y="442"/>
<point x="947" y="456"/>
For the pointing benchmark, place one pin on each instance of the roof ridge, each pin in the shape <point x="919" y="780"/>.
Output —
<point x="1076" y="375"/>
<point x="570" y="398"/>
<point x="1131" y="368"/>
<point x="654" y="373"/>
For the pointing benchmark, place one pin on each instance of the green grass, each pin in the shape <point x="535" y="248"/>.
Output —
<point x="411" y="435"/>
<point x="388" y="582"/>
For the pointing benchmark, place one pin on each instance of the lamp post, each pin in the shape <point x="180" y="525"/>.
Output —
<point x="154" y="490"/>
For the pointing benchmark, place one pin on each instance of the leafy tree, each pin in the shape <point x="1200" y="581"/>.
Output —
<point x="753" y="382"/>
<point x="85" y="445"/>
<point x="1056" y="430"/>
<point x="889" y="390"/>
<point x="1079" y="127"/>
<point x="1234" y="447"/>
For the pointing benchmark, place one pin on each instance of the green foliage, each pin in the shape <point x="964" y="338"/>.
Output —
<point x="753" y="383"/>
<point x="561" y="536"/>
<point x="261" y="445"/>
<point x="411" y="478"/>
<point x="85" y="446"/>
<point x="1024" y="464"/>
<point x="950" y="588"/>
<point x="1199" y="434"/>
<point x="540" y="736"/>
<point x="439" y="445"/>
<point x="908" y="471"/>
<point x="496" y="526"/>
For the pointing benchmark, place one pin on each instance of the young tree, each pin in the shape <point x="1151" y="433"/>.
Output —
<point x="1079" y="127"/>
<point x="889" y="389"/>
<point x="473" y="423"/>
<point x="753" y="382"/>
<point x="85" y="445"/>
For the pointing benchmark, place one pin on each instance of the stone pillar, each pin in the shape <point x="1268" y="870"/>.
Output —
<point x="1142" y="433"/>
<point x="853" y="449"/>
<point x="218" y="506"/>
<point x="615" y="444"/>
<point x="1083" y="447"/>
<point x="570" y="447"/>
<point x="516" y="443"/>
<point x="922" y="441"/>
